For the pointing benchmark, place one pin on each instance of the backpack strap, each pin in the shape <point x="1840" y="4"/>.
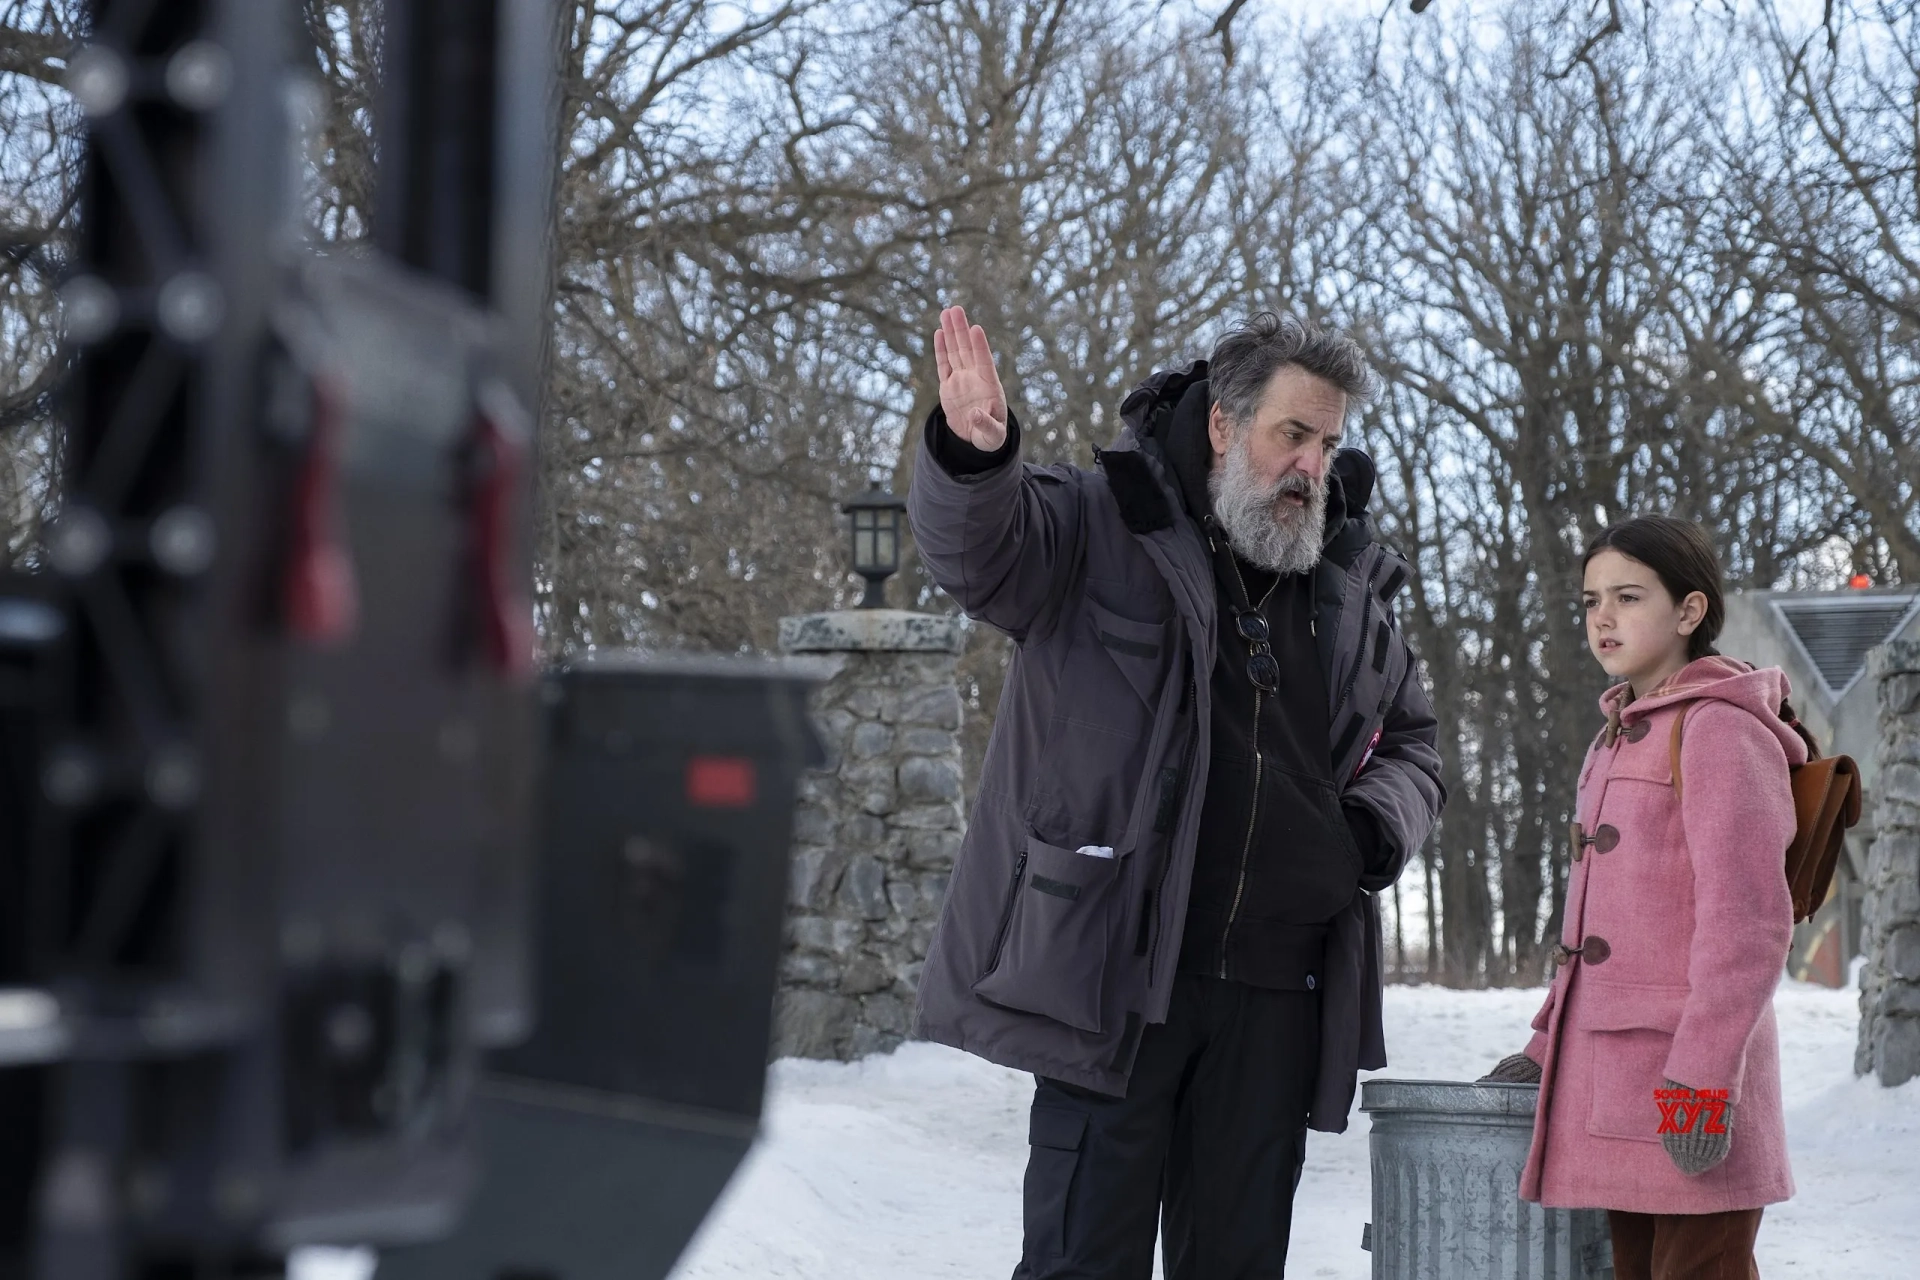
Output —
<point x="1673" y="746"/>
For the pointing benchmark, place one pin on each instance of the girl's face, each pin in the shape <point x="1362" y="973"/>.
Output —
<point x="1635" y="629"/>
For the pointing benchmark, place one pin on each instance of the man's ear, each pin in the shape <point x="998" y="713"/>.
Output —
<point x="1219" y="431"/>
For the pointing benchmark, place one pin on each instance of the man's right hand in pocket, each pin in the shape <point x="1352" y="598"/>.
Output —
<point x="970" y="392"/>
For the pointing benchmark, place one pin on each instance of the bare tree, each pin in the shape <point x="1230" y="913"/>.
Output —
<point x="1546" y="284"/>
<point x="1828" y="213"/>
<point x="343" y="43"/>
<point x="39" y="161"/>
<point x="1595" y="289"/>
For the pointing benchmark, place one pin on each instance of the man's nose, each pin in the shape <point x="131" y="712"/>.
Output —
<point x="1312" y="464"/>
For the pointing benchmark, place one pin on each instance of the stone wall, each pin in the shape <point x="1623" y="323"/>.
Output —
<point x="1890" y="916"/>
<point x="876" y="830"/>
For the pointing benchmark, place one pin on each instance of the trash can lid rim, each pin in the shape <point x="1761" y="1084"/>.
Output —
<point x="1449" y="1097"/>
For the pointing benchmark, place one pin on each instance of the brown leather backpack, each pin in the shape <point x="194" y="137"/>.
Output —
<point x="1826" y="801"/>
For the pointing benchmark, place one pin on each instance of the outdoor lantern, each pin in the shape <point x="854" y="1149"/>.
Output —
<point x="876" y="540"/>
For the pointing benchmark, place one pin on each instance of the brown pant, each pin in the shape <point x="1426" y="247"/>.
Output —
<point x="1684" y="1246"/>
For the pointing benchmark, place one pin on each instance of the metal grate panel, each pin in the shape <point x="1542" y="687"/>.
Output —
<point x="1837" y="632"/>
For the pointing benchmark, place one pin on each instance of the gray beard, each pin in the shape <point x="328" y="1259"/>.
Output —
<point x="1267" y="532"/>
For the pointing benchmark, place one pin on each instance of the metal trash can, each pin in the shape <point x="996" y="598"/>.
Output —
<point x="1447" y="1158"/>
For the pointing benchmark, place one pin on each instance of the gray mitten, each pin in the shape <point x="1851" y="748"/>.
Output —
<point x="1515" y="1068"/>
<point x="1695" y="1151"/>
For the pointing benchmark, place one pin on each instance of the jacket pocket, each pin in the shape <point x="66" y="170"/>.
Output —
<point x="1056" y="1136"/>
<point x="1319" y="891"/>
<point x="1630" y="1029"/>
<point x="1138" y="649"/>
<point x="1052" y="957"/>
<point x="1100" y="731"/>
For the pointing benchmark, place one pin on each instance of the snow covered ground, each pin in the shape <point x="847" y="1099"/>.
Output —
<point x="908" y="1164"/>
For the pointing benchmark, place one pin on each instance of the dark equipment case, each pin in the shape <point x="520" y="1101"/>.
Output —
<point x="667" y="815"/>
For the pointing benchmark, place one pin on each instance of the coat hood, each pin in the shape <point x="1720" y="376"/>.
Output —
<point x="1166" y="416"/>
<point x="1757" y="690"/>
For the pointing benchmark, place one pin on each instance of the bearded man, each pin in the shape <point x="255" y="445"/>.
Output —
<point x="1213" y="749"/>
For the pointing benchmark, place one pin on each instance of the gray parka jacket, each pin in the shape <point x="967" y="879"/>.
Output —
<point x="1052" y="961"/>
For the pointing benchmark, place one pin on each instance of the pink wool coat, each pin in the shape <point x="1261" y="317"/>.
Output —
<point x="1692" y="903"/>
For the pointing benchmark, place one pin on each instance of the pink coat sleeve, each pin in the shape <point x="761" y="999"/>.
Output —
<point x="1736" y="808"/>
<point x="1537" y="1047"/>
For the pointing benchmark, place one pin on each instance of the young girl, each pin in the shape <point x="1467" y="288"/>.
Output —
<point x="1656" y="1051"/>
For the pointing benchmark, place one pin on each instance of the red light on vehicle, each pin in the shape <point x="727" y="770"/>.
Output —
<point x="720" y="782"/>
<point x="1859" y="582"/>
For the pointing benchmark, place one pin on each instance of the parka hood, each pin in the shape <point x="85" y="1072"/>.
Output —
<point x="1756" y="690"/>
<point x="1166" y="417"/>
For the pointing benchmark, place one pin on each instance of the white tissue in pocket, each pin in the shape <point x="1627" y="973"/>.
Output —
<point x="1096" y="850"/>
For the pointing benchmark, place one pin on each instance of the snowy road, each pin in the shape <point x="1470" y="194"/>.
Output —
<point x="908" y="1165"/>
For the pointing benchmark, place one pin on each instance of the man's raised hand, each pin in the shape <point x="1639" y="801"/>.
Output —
<point x="970" y="392"/>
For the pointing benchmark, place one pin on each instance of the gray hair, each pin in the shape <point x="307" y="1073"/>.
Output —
<point x="1245" y="360"/>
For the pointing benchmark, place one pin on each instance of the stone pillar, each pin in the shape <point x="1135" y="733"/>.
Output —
<point x="1890" y="916"/>
<point x="876" y="831"/>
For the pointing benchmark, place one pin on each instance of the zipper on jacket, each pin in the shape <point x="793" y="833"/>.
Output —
<point x="1006" y="912"/>
<point x="1166" y="863"/>
<point x="1246" y="848"/>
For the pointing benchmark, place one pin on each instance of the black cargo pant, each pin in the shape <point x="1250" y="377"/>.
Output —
<point x="1212" y="1133"/>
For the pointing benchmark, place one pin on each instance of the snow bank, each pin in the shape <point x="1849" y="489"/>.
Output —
<point x="908" y="1164"/>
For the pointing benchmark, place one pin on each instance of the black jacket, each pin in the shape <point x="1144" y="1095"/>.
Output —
<point x="1276" y="858"/>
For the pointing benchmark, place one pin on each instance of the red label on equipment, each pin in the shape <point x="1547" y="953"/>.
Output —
<point x="720" y="782"/>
